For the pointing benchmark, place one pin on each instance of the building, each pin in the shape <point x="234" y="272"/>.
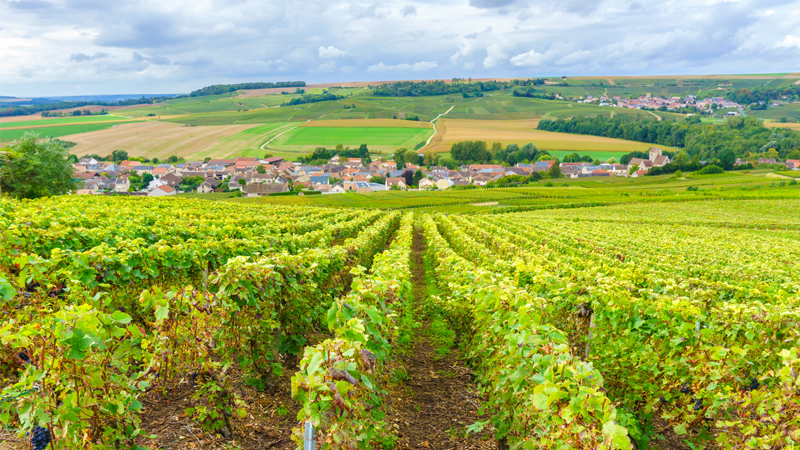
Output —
<point x="162" y="191"/>
<point x="264" y="189"/>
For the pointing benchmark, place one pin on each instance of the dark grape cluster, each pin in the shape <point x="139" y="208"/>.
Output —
<point x="663" y="400"/>
<point x="41" y="438"/>
<point x="685" y="389"/>
<point x="24" y="356"/>
<point x="698" y="404"/>
<point x="754" y="385"/>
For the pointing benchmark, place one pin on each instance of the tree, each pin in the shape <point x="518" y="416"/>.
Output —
<point x="411" y="157"/>
<point x="399" y="157"/>
<point x="555" y="170"/>
<point x="172" y="159"/>
<point x="37" y="169"/>
<point x="147" y="178"/>
<point x="407" y="176"/>
<point x="611" y="160"/>
<point x="242" y="181"/>
<point x="418" y="176"/>
<point x="155" y="160"/>
<point x="633" y="169"/>
<point x="431" y="158"/>
<point x="378" y="179"/>
<point x="596" y="162"/>
<point x="119" y="155"/>
<point x="261" y="169"/>
<point x="267" y="155"/>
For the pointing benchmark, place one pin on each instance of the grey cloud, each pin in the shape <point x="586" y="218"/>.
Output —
<point x="409" y="10"/>
<point x="80" y="57"/>
<point x="157" y="60"/>
<point x="372" y="11"/>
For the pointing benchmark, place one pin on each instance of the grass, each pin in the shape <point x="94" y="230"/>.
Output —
<point x="62" y="121"/>
<point x="55" y="131"/>
<point x="379" y="139"/>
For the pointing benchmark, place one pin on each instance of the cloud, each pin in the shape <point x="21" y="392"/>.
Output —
<point x="476" y="34"/>
<point x="488" y="4"/>
<point x="789" y="41"/>
<point x="329" y="66"/>
<point x="81" y="57"/>
<point x="408" y="10"/>
<point x="421" y="66"/>
<point x="23" y="5"/>
<point x="332" y="52"/>
<point x="157" y="60"/>
<point x="367" y="12"/>
<point x="181" y="45"/>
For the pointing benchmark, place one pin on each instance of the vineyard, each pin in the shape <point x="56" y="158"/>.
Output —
<point x="184" y="323"/>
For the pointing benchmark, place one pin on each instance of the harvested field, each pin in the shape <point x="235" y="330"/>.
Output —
<point x="792" y="126"/>
<point x="523" y="131"/>
<point x="367" y="123"/>
<point x="379" y="139"/>
<point x="161" y="140"/>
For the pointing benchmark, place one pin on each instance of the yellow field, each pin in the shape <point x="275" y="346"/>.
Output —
<point x="793" y="126"/>
<point x="450" y="131"/>
<point x="161" y="140"/>
<point x="368" y="123"/>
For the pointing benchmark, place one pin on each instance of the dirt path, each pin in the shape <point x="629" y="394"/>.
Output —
<point x="438" y="400"/>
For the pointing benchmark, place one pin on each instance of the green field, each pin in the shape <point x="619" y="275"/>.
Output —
<point x="62" y="120"/>
<point x="54" y="132"/>
<point x="379" y="139"/>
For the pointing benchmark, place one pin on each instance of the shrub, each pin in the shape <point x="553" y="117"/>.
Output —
<point x="710" y="169"/>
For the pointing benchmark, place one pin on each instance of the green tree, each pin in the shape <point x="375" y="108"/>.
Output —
<point x="172" y="159"/>
<point x="611" y="160"/>
<point x="147" y="178"/>
<point x="242" y="181"/>
<point x="378" y="179"/>
<point x="633" y="169"/>
<point x="418" y="176"/>
<point x="555" y="170"/>
<point x="261" y="169"/>
<point x="37" y="169"/>
<point x="411" y="157"/>
<point x="119" y="155"/>
<point x="596" y="162"/>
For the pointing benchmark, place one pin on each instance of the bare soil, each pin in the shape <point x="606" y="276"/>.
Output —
<point x="439" y="400"/>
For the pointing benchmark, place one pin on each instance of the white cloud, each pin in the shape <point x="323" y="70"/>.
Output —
<point x="531" y="58"/>
<point x="494" y="56"/>
<point x="789" y="41"/>
<point x="332" y="52"/>
<point x="416" y="67"/>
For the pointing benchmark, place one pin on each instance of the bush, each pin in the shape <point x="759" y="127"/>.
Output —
<point x="691" y="188"/>
<point x="708" y="170"/>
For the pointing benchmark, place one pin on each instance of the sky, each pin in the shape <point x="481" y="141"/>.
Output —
<point x="75" y="47"/>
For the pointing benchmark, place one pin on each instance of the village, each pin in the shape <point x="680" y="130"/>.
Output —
<point x="254" y="177"/>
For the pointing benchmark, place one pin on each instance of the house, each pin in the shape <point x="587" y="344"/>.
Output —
<point x="205" y="188"/>
<point x="264" y="189"/>
<point x="158" y="171"/>
<point x="120" y="184"/>
<point x="273" y="160"/>
<point x="336" y="188"/>
<point x="795" y="163"/>
<point x="85" y="175"/>
<point x="171" y="179"/>
<point x="426" y="183"/>
<point x="162" y="191"/>
<point x="444" y="183"/>
<point x="657" y="158"/>
<point x="154" y="184"/>
<point x="359" y="187"/>
<point x="396" y="181"/>
<point x="767" y="161"/>
<point x="141" y="170"/>
<point x="543" y="166"/>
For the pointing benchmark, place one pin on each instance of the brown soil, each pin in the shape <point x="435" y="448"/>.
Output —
<point x="433" y="407"/>
<point x="268" y="424"/>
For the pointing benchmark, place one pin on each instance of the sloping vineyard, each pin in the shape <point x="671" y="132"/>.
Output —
<point x="592" y="328"/>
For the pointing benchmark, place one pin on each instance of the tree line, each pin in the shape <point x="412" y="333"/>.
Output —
<point x="457" y="86"/>
<point x="218" y="89"/>
<point x="33" y="109"/>
<point x="761" y="93"/>
<point x="744" y="136"/>
<point x="312" y="98"/>
<point x="321" y="155"/>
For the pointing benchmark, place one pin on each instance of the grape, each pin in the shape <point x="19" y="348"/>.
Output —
<point x="754" y="385"/>
<point x="663" y="400"/>
<point x="41" y="438"/>
<point x="698" y="405"/>
<point x="24" y="356"/>
<point x="685" y="389"/>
